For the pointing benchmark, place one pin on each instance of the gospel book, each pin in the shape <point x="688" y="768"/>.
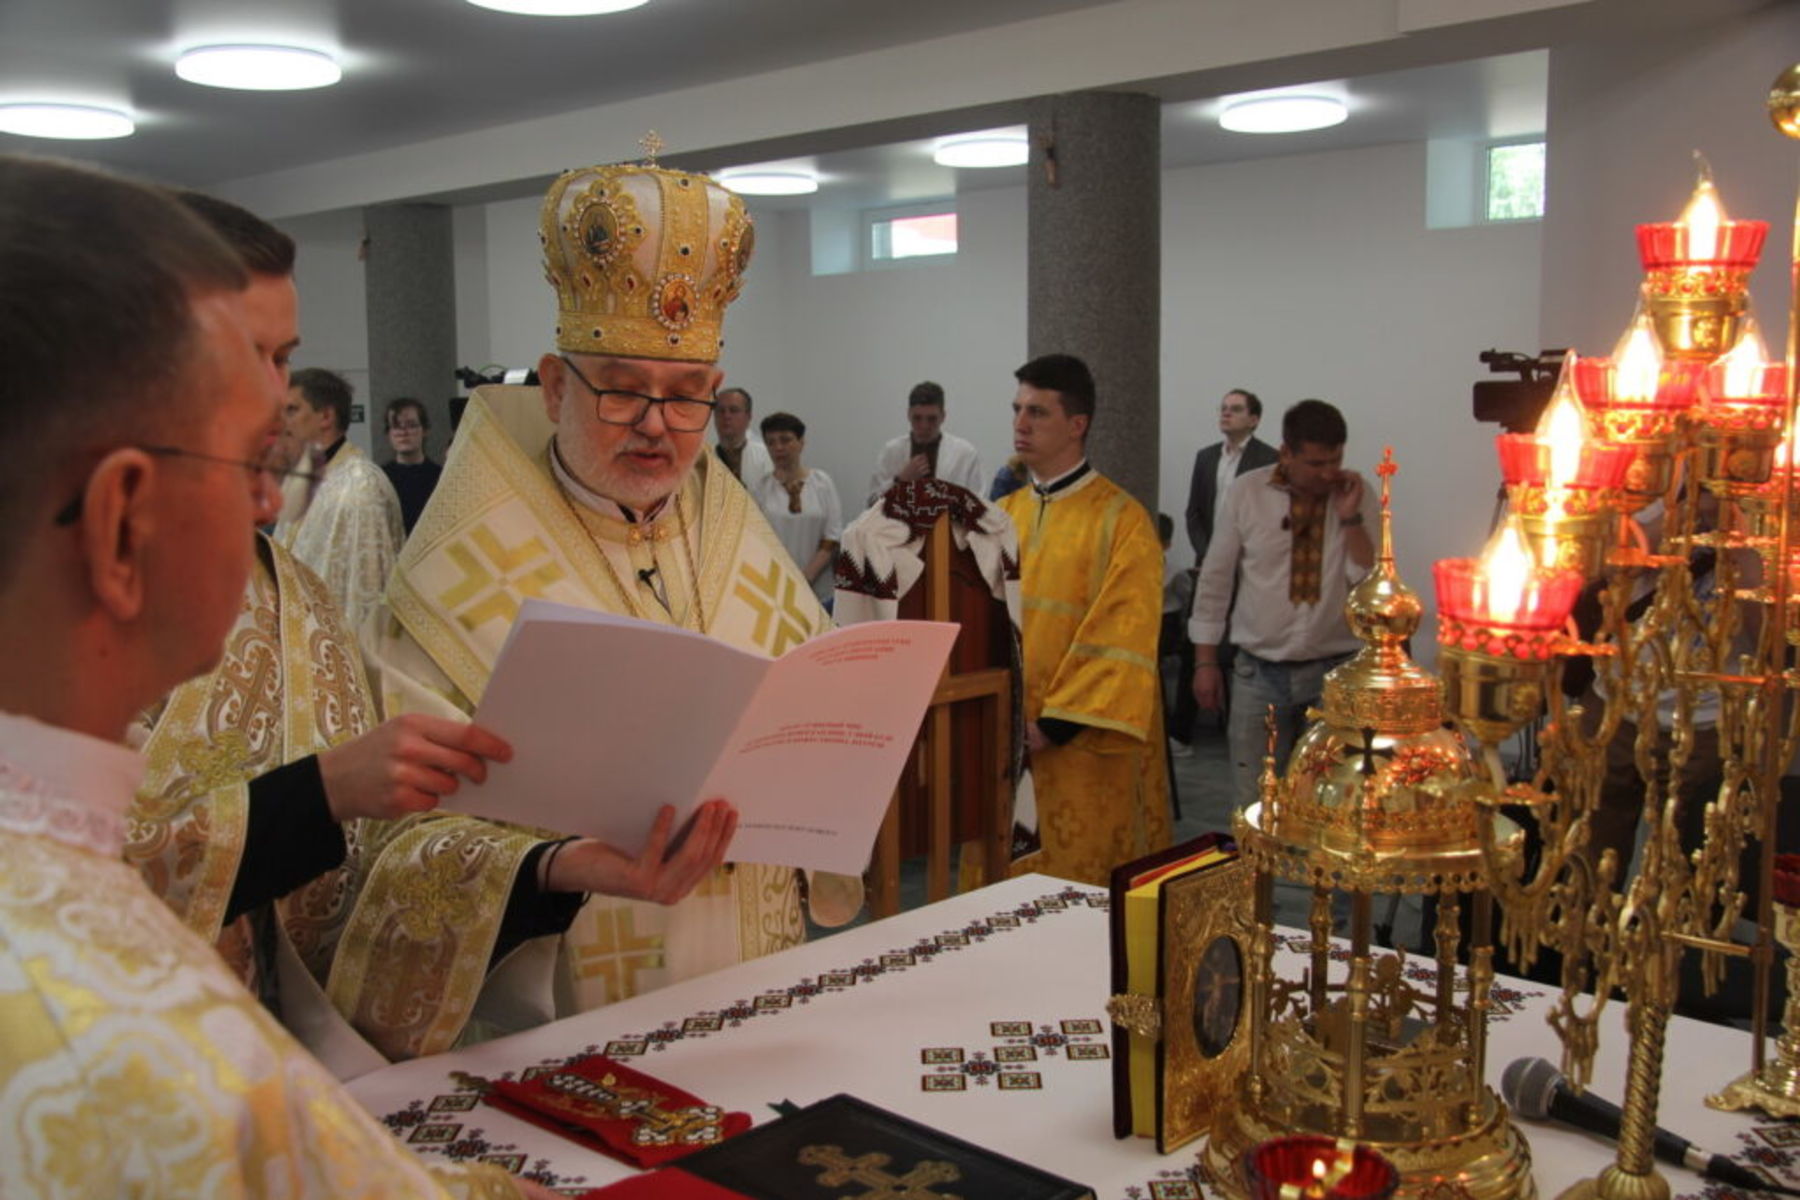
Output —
<point x="611" y="717"/>
<point x="842" y="1142"/>
<point x="1179" y="939"/>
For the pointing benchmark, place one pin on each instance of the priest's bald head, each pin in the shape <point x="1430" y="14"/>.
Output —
<point x="644" y="262"/>
<point x="136" y="413"/>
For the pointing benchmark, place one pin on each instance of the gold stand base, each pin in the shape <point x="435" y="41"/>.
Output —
<point x="1774" y="1090"/>
<point x="1614" y="1184"/>
<point x="1491" y="1162"/>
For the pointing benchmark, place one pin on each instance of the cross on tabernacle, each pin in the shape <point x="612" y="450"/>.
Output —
<point x="867" y="1170"/>
<point x="1368" y="752"/>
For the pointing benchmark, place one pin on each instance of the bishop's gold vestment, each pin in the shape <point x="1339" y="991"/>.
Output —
<point x="350" y="533"/>
<point x="499" y="528"/>
<point x="1090" y="582"/>
<point x="132" y="1063"/>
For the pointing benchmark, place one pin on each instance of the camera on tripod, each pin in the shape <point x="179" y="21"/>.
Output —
<point x="1516" y="404"/>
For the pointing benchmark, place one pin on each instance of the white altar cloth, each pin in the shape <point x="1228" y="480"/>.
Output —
<point x="982" y="1015"/>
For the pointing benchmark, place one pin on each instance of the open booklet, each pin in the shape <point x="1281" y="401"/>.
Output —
<point x="611" y="717"/>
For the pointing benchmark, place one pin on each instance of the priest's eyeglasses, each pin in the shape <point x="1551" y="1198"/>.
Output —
<point x="264" y="471"/>
<point x="683" y="414"/>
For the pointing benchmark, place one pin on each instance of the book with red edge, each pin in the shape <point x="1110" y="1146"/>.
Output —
<point x="1124" y="877"/>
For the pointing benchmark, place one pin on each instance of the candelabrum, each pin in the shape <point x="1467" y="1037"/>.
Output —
<point x="1692" y="632"/>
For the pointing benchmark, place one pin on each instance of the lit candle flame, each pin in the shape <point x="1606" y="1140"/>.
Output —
<point x="1637" y="364"/>
<point x="1506" y="566"/>
<point x="1743" y="366"/>
<point x="1563" y="427"/>
<point x="1702" y="218"/>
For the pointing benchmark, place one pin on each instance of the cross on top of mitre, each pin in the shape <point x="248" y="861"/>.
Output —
<point x="653" y="145"/>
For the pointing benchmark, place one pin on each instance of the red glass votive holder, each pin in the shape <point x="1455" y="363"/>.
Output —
<point x="1670" y="245"/>
<point x="1314" y="1167"/>
<point x="1636" y="417"/>
<point x="1531" y="633"/>
<point x="1744" y="397"/>
<point x="1525" y="458"/>
<point x="1696" y="294"/>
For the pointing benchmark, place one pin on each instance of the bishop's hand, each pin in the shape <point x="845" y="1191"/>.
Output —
<point x="668" y="868"/>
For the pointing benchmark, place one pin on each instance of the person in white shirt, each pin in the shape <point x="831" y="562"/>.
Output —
<point x="926" y="451"/>
<point x="801" y="503"/>
<point x="742" y="454"/>
<point x="1293" y="538"/>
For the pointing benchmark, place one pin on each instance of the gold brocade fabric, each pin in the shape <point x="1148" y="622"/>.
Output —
<point x="133" y="1064"/>
<point x="500" y="529"/>
<point x="1090" y="577"/>
<point x="289" y="684"/>
<point x="351" y="533"/>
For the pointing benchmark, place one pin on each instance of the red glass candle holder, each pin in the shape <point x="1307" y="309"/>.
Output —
<point x="1631" y="418"/>
<point x="1313" y="1167"/>
<point x="1696" y="295"/>
<point x="1744" y="397"/>
<point x="1525" y="458"/>
<point x="1665" y="245"/>
<point x="1532" y="633"/>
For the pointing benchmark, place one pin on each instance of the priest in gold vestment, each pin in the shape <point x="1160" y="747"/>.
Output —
<point x="132" y="1062"/>
<point x="349" y="530"/>
<point x="1090" y="582"/>
<point x="594" y="492"/>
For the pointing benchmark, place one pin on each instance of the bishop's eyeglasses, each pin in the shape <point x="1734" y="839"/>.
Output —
<point x="265" y="474"/>
<point x="615" y="406"/>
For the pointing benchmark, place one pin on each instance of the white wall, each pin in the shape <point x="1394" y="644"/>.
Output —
<point x="1315" y="275"/>
<point x="334" y="309"/>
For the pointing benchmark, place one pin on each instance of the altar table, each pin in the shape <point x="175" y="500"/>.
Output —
<point x="983" y="1015"/>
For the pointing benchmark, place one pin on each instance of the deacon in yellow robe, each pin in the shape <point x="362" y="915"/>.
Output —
<point x="593" y="492"/>
<point x="1090" y="582"/>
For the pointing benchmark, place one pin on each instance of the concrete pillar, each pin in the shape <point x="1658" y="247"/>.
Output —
<point x="410" y="280"/>
<point x="1094" y="283"/>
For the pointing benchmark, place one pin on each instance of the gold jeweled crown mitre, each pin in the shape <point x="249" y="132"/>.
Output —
<point x="643" y="260"/>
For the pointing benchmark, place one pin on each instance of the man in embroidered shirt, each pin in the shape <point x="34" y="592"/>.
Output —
<point x="743" y="455"/>
<point x="1292" y="539"/>
<point x="927" y="452"/>
<point x="133" y="1063"/>
<point x="593" y="491"/>
<point x="1090" y="582"/>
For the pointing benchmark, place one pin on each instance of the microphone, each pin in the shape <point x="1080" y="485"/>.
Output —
<point x="1533" y="1088"/>
<point x="647" y="576"/>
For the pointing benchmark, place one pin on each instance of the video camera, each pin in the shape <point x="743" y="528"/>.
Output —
<point x="1516" y="404"/>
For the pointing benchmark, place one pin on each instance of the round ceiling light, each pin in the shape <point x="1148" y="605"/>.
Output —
<point x="770" y="183"/>
<point x="558" y="8"/>
<point x="1283" y="114"/>
<point x="999" y="149"/>
<point x="258" y="68"/>
<point x="76" y="122"/>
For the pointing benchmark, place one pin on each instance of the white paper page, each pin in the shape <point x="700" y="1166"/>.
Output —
<point x="609" y="718"/>
<point x="813" y="763"/>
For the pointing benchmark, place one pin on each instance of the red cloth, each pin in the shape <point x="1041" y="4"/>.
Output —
<point x="609" y="1107"/>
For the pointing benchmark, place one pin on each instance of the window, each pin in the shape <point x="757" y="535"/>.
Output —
<point x="1515" y="182"/>
<point x="914" y="232"/>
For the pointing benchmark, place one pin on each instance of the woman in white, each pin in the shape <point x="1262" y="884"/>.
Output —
<point x="801" y="503"/>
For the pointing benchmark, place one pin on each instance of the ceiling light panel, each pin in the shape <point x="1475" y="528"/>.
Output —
<point x="998" y="148"/>
<point x="258" y="68"/>
<point x="757" y="182"/>
<point x="558" y="8"/>
<point x="74" y="122"/>
<point x="1283" y="114"/>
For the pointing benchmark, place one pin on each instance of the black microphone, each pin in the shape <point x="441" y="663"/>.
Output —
<point x="647" y="576"/>
<point x="1533" y="1088"/>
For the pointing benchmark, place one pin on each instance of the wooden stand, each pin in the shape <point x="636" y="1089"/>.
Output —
<point x="964" y="748"/>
